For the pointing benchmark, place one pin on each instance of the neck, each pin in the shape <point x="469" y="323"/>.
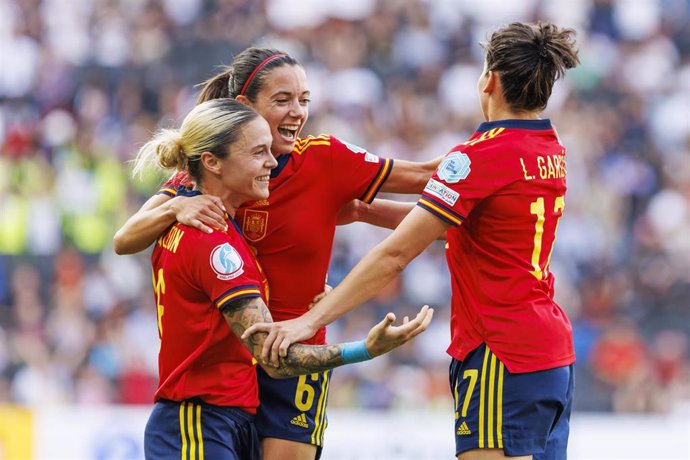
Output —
<point x="502" y="113"/>
<point x="230" y="202"/>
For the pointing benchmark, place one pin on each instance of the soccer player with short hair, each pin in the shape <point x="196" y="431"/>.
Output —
<point x="500" y="196"/>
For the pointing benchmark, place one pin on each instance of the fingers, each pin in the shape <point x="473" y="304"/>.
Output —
<point x="196" y="223"/>
<point x="256" y="327"/>
<point x="267" y="349"/>
<point x="414" y="327"/>
<point x="219" y="203"/>
<point x="420" y="323"/>
<point x="278" y="349"/>
<point x="204" y="212"/>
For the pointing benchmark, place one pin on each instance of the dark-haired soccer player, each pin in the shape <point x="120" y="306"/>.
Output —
<point x="500" y="195"/>
<point x="292" y="232"/>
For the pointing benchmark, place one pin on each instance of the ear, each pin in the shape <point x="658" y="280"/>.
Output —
<point x="243" y="99"/>
<point x="490" y="82"/>
<point x="210" y="163"/>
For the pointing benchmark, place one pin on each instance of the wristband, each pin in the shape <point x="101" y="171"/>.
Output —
<point x="354" y="352"/>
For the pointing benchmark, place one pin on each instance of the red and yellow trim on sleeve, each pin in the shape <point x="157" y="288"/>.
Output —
<point x="246" y="291"/>
<point x="170" y="191"/>
<point x="303" y="144"/>
<point x="384" y="171"/>
<point x="444" y="213"/>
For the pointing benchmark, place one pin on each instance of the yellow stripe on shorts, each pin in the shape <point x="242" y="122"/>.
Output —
<point x="491" y="402"/>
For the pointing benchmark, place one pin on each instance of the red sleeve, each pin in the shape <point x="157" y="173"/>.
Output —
<point x="178" y="182"/>
<point x="224" y="269"/>
<point x="462" y="180"/>
<point x="356" y="172"/>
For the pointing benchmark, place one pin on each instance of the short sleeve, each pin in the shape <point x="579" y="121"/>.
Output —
<point x="462" y="180"/>
<point x="224" y="270"/>
<point x="356" y="172"/>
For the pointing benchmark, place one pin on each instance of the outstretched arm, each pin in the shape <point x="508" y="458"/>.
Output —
<point x="410" y="177"/>
<point x="159" y="212"/>
<point x="306" y="359"/>
<point x="381" y="213"/>
<point x="370" y="275"/>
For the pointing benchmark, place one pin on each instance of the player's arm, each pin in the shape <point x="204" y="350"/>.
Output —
<point x="409" y="176"/>
<point x="383" y="263"/>
<point x="381" y="213"/>
<point x="306" y="359"/>
<point x="159" y="212"/>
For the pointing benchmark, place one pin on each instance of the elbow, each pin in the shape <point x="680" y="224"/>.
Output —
<point x="280" y="372"/>
<point x="121" y="245"/>
<point x="396" y="259"/>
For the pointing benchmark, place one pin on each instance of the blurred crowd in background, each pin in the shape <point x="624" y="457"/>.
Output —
<point x="84" y="83"/>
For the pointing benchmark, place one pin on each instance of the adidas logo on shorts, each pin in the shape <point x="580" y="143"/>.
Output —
<point x="300" y="420"/>
<point x="464" y="429"/>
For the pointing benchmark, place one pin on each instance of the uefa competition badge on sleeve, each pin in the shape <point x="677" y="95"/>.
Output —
<point x="368" y="157"/>
<point x="226" y="262"/>
<point x="454" y="167"/>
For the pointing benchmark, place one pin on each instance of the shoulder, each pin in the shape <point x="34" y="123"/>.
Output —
<point x="313" y="143"/>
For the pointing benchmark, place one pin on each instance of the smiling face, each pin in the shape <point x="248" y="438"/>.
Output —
<point x="245" y="172"/>
<point x="284" y="102"/>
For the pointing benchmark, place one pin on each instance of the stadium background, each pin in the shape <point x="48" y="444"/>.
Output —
<point x="83" y="83"/>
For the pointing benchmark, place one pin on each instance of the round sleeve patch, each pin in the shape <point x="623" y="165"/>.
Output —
<point x="454" y="167"/>
<point x="226" y="262"/>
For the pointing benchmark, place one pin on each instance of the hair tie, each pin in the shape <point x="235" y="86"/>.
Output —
<point x="256" y="70"/>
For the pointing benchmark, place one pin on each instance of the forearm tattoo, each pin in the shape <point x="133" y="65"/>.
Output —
<point x="301" y="359"/>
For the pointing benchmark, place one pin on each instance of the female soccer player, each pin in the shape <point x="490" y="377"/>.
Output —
<point x="500" y="196"/>
<point x="209" y="289"/>
<point x="292" y="231"/>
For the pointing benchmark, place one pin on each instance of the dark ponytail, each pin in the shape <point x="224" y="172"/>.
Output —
<point x="529" y="58"/>
<point x="216" y="87"/>
<point x="247" y="71"/>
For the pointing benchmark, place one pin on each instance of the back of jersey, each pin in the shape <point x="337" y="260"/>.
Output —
<point x="506" y="186"/>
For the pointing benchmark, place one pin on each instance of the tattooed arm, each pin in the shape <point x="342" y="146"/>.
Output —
<point x="306" y="359"/>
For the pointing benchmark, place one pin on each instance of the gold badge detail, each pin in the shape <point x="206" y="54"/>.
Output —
<point x="254" y="225"/>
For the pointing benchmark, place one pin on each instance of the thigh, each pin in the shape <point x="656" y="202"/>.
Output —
<point x="195" y="430"/>
<point x="518" y="413"/>
<point x="293" y="409"/>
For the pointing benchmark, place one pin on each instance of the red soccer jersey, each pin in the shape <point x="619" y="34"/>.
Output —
<point x="194" y="275"/>
<point x="293" y="230"/>
<point x="506" y="185"/>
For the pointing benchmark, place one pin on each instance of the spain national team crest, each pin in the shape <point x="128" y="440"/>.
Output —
<point x="454" y="167"/>
<point x="254" y="224"/>
<point x="226" y="262"/>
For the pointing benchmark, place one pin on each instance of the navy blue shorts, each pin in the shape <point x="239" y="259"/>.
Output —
<point x="523" y="414"/>
<point x="194" y="430"/>
<point x="293" y="408"/>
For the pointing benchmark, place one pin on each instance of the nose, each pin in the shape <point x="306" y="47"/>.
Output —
<point x="271" y="162"/>
<point x="297" y="110"/>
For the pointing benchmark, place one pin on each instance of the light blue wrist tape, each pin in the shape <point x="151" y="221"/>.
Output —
<point x="354" y="352"/>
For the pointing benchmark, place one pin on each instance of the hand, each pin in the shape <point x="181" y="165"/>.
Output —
<point x="320" y="296"/>
<point x="280" y="336"/>
<point x="203" y="212"/>
<point x="384" y="337"/>
<point x="349" y="213"/>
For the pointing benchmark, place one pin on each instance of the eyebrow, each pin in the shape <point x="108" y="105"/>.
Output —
<point x="258" y="147"/>
<point x="288" y="93"/>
